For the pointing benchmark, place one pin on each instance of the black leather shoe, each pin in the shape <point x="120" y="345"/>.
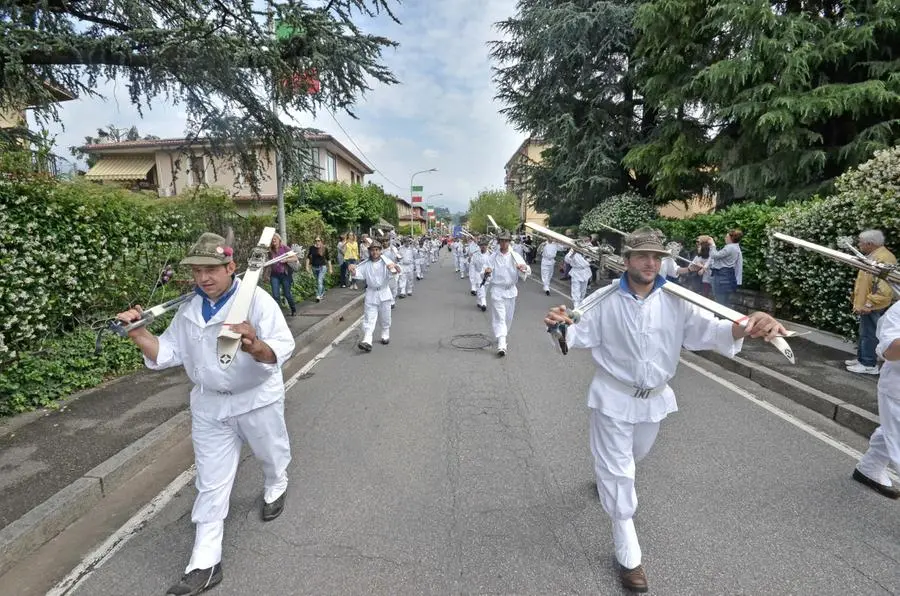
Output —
<point x="272" y="510"/>
<point x="385" y="342"/>
<point x="196" y="581"/>
<point x="483" y="308"/>
<point x="888" y="491"/>
<point x="473" y="292"/>
<point x="364" y="346"/>
<point x="547" y="292"/>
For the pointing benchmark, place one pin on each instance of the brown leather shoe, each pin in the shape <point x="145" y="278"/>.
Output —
<point x="634" y="580"/>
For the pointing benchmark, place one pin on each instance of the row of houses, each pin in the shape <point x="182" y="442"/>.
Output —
<point x="172" y="167"/>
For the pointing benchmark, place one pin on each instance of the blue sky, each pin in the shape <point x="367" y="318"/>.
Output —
<point x="442" y="114"/>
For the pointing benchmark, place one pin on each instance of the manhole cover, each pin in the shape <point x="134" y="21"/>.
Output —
<point x="471" y="341"/>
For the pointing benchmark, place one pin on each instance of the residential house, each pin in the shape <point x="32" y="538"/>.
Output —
<point x="528" y="152"/>
<point x="173" y="166"/>
<point x="409" y="215"/>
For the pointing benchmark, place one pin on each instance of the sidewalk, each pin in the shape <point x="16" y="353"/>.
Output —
<point x="44" y="452"/>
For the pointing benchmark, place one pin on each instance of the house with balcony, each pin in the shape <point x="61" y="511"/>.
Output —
<point x="407" y="215"/>
<point x="170" y="167"/>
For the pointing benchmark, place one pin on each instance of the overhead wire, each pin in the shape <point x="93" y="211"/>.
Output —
<point x="366" y="157"/>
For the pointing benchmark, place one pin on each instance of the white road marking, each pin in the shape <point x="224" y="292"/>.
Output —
<point x="807" y="428"/>
<point x="308" y="366"/>
<point x="112" y="544"/>
<point x="140" y="519"/>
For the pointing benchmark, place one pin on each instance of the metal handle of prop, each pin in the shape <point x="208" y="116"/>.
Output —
<point x="151" y="314"/>
<point x="559" y="330"/>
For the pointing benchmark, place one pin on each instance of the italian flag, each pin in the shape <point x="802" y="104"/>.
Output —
<point x="431" y="213"/>
<point x="416" y="193"/>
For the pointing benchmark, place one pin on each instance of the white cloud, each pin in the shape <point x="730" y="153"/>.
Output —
<point x="443" y="114"/>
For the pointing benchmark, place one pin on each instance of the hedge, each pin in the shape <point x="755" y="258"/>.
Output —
<point x="805" y="287"/>
<point x="72" y="254"/>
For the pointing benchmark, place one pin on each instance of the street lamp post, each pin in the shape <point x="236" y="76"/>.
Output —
<point x="411" y="179"/>
<point x="428" y="200"/>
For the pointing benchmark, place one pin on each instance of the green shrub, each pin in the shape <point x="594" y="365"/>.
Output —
<point x="626" y="212"/>
<point x="754" y="219"/>
<point x="811" y="288"/>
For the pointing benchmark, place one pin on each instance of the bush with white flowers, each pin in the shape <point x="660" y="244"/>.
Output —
<point x="812" y="288"/>
<point x="73" y="254"/>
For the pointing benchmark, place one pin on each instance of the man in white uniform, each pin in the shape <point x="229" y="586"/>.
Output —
<point x="884" y="445"/>
<point x="477" y="275"/>
<point x="505" y="268"/>
<point x="389" y="249"/>
<point x="548" y="262"/>
<point x="229" y="406"/>
<point x="462" y="258"/>
<point x="407" y="269"/>
<point x="419" y="249"/>
<point x="376" y="272"/>
<point x="635" y="336"/>
<point x="579" y="274"/>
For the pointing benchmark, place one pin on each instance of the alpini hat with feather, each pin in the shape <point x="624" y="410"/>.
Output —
<point x="645" y="240"/>
<point x="504" y="235"/>
<point x="210" y="249"/>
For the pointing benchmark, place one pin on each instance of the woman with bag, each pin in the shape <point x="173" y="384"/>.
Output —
<point x="281" y="275"/>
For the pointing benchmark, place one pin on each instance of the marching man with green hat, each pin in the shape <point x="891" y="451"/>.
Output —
<point x="635" y="336"/>
<point x="505" y="268"/>
<point x="229" y="406"/>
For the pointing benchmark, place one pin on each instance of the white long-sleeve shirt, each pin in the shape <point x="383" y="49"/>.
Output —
<point x="476" y="267"/>
<point x="376" y="275"/>
<point x="505" y="273"/>
<point x="549" y="251"/>
<point x="728" y="256"/>
<point x="888" y="332"/>
<point x="246" y="384"/>
<point x="636" y="343"/>
<point x="581" y="269"/>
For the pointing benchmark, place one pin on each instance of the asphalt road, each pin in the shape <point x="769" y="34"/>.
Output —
<point x="426" y="468"/>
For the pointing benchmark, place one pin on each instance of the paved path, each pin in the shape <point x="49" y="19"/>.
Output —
<point x="424" y="468"/>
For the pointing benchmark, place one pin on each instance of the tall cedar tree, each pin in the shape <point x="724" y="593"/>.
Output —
<point x="770" y="98"/>
<point x="217" y="58"/>
<point x="564" y="73"/>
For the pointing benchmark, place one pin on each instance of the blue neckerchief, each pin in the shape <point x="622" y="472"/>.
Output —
<point x="209" y="309"/>
<point x="657" y="284"/>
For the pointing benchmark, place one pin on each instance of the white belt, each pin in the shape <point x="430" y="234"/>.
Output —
<point x="633" y="390"/>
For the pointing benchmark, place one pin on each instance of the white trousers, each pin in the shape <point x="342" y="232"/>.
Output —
<point x="884" y="445"/>
<point x="407" y="279"/>
<point x="579" y="288"/>
<point x="371" y="312"/>
<point x="393" y="283"/>
<point x="481" y="294"/>
<point x="217" y="451"/>
<point x="616" y="447"/>
<point x="420" y="269"/>
<point x="463" y="268"/>
<point x="547" y="266"/>
<point x="502" y="311"/>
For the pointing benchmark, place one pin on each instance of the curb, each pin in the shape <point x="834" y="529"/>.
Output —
<point x="845" y="414"/>
<point x="42" y="523"/>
